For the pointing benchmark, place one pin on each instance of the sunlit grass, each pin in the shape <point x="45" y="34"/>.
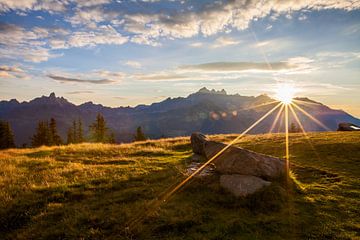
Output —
<point x="92" y="190"/>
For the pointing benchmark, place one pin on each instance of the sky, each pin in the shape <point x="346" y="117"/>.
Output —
<point x="120" y="53"/>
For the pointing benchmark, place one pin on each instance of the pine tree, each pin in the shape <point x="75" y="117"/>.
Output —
<point x="80" y="132"/>
<point x="6" y="136"/>
<point x="140" y="136"/>
<point x="42" y="135"/>
<point x="112" y="138"/>
<point x="70" y="137"/>
<point x="55" y="139"/>
<point x="294" y="128"/>
<point x="74" y="130"/>
<point x="99" y="130"/>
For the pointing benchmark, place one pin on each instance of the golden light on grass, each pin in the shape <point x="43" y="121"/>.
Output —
<point x="285" y="101"/>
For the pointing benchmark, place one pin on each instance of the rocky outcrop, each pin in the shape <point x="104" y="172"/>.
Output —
<point x="237" y="160"/>
<point x="242" y="185"/>
<point x="243" y="171"/>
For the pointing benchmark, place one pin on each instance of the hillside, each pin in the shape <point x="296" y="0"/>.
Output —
<point x="90" y="191"/>
<point x="208" y="111"/>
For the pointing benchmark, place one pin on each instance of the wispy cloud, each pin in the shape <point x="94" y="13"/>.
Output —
<point x="133" y="64"/>
<point x="77" y="80"/>
<point x="80" y="92"/>
<point x="224" y="42"/>
<point x="239" y="66"/>
<point x="98" y="22"/>
<point x="12" y="72"/>
<point x="161" y="76"/>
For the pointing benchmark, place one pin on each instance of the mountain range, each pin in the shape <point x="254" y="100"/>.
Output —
<point x="207" y="111"/>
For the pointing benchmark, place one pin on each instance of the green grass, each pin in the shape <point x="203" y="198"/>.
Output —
<point x="92" y="191"/>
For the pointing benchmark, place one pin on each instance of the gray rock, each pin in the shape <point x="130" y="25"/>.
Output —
<point x="242" y="185"/>
<point x="197" y="143"/>
<point x="237" y="160"/>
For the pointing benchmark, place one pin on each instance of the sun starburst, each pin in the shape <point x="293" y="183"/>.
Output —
<point x="285" y="93"/>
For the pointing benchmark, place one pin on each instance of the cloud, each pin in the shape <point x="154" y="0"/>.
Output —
<point x="105" y="34"/>
<point x="219" y="16"/>
<point x="133" y="64"/>
<point x="196" y="44"/>
<point x="224" y="42"/>
<point x="117" y="22"/>
<point x="12" y="72"/>
<point x="10" y="69"/>
<point x="80" y="92"/>
<point x="26" y="5"/>
<point x="161" y="76"/>
<point x="77" y="80"/>
<point x="239" y="66"/>
<point x="29" y="45"/>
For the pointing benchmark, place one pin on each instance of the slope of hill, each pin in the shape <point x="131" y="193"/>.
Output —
<point x="91" y="191"/>
<point x="207" y="111"/>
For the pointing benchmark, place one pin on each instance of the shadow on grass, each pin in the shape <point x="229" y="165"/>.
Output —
<point x="100" y="208"/>
<point x="39" y="154"/>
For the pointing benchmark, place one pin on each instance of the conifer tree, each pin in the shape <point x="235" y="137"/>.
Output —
<point x="294" y="128"/>
<point x="70" y="137"/>
<point x="140" y="136"/>
<point x="112" y="138"/>
<point x="6" y="136"/>
<point x="42" y="135"/>
<point x="98" y="129"/>
<point x="80" y="132"/>
<point x="74" y="132"/>
<point x="55" y="139"/>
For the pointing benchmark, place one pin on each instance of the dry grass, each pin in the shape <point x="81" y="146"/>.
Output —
<point x="90" y="191"/>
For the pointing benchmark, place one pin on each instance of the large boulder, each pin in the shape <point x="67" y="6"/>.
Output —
<point x="242" y="185"/>
<point x="197" y="143"/>
<point x="237" y="160"/>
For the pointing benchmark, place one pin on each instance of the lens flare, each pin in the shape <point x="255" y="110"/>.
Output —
<point x="285" y="93"/>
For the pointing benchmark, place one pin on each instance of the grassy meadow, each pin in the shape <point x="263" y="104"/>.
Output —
<point x="92" y="191"/>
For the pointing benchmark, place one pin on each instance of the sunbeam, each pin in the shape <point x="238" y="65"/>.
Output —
<point x="311" y="117"/>
<point x="303" y="130"/>
<point x="287" y="138"/>
<point x="306" y="103"/>
<point x="277" y="118"/>
<point x="260" y="105"/>
<point x="157" y="202"/>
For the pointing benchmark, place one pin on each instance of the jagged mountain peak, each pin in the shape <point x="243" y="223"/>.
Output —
<point x="204" y="90"/>
<point x="171" y="117"/>
<point x="50" y="100"/>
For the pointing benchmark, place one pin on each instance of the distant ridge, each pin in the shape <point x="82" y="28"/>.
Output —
<point x="209" y="111"/>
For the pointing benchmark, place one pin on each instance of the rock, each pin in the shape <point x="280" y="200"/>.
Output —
<point x="197" y="143"/>
<point x="237" y="160"/>
<point x="207" y="171"/>
<point x="242" y="185"/>
<point x="197" y="158"/>
<point x="348" y="127"/>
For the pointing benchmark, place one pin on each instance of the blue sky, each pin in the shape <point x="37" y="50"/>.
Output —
<point x="121" y="53"/>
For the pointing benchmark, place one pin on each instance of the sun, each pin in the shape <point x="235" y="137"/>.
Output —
<point x="285" y="93"/>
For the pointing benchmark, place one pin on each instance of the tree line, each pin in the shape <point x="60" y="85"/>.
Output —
<point x="46" y="133"/>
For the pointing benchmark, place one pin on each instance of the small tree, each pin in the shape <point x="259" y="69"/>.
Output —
<point x="70" y="137"/>
<point x="80" y="132"/>
<point x="42" y="135"/>
<point x="98" y="129"/>
<point x="294" y="128"/>
<point x="112" y="138"/>
<point x="55" y="139"/>
<point x="6" y="136"/>
<point x="140" y="136"/>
